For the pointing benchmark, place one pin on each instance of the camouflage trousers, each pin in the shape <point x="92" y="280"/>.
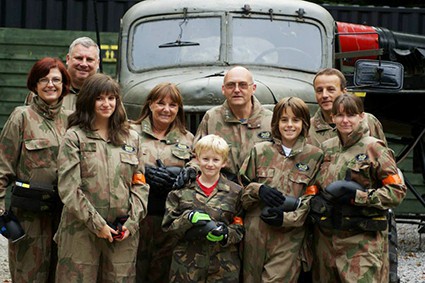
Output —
<point x="271" y="254"/>
<point x="34" y="257"/>
<point x="154" y="251"/>
<point x="342" y="256"/>
<point x="203" y="261"/>
<point x="83" y="257"/>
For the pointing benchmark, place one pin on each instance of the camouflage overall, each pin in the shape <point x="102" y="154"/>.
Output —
<point x="201" y="260"/>
<point x="96" y="185"/>
<point x="156" y="246"/>
<point x="357" y="256"/>
<point x="275" y="254"/>
<point x="29" y="146"/>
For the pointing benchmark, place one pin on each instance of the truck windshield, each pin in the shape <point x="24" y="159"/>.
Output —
<point x="176" y="42"/>
<point x="196" y="41"/>
<point x="288" y="44"/>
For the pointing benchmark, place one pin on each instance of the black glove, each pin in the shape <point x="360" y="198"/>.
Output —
<point x="272" y="215"/>
<point x="343" y="192"/>
<point x="186" y="175"/>
<point x="200" y="230"/>
<point x="219" y="234"/>
<point x="10" y="227"/>
<point x="161" y="178"/>
<point x="270" y="196"/>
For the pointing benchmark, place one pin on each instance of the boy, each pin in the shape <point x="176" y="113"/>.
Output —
<point x="205" y="215"/>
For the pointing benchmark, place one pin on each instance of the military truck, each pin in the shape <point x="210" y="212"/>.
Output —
<point x="284" y="43"/>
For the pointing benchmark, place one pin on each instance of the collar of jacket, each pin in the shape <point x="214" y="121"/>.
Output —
<point x="172" y="136"/>
<point x="319" y="123"/>
<point x="221" y="186"/>
<point x="254" y="121"/>
<point x="355" y="135"/>
<point x="74" y="90"/>
<point x="297" y="148"/>
<point x="46" y="110"/>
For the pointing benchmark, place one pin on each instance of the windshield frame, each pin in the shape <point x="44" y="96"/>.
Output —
<point x="225" y="56"/>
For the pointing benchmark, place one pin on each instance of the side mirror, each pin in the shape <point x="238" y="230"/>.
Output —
<point x="374" y="74"/>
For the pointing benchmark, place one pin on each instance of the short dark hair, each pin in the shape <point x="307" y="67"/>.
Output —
<point x="331" y="72"/>
<point x="352" y="104"/>
<point x="298" y="107"/>
<point x="42" y="68"/>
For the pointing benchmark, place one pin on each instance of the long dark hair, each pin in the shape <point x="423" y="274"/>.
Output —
<point x="160" y="91"/>
<point x="84" y="115"/>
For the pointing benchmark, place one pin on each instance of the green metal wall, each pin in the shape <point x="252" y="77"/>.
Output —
<point x="21" y="48"/>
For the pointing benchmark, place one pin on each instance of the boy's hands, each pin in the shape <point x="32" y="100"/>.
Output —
<point x="198" y="217"/>
<point x="218" y="234"/>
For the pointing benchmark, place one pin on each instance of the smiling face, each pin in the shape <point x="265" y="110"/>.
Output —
<point x="82" y="62"/>
<point x="164" y="112"/>
<point x="345" y="122"/>
<point x="49" y="88"/>
<point x="290" y="127"/>
<point x="210" y="163"/>
<point x="105" y="106"/>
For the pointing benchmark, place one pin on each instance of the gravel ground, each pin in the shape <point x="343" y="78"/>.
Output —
<point x="411" y="256"/>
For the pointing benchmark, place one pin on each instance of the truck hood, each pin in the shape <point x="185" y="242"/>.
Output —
<point x="201" y="87"/>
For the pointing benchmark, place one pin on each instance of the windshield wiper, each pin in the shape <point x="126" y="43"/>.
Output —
<point x="178" y="43"/>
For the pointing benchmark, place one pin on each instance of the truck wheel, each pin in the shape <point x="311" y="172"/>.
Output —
<point x="393" y="246"/>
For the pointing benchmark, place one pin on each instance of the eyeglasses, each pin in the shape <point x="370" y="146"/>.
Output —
<point x="241" y="85"/>
<point x="46" y="81"/>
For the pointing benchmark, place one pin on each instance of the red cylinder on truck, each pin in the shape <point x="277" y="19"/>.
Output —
<point x="354" y="37"/>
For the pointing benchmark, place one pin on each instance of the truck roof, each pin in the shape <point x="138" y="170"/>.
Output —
<point x="282" y="7"/>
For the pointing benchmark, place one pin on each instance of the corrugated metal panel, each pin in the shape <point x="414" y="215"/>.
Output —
<point x="21" y="48"/>
<point x="63" y="14"/>
<point x="408" y="20"/>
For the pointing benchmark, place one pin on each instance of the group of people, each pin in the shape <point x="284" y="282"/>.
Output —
<point x="254" y="196"/>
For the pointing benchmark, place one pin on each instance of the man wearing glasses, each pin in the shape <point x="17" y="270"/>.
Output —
<point x="241" y="120"/>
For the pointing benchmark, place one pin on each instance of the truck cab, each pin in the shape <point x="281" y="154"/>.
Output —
<point x="192" y="43"/>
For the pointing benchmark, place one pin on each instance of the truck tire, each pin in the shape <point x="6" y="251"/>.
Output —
<point x="393" y="246"/>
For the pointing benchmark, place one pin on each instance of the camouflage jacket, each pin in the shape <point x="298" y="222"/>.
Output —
<point x="29" y="144"/>
<point x="371" y="162"/>
<point x="291" y="175"/>
<point x="321" y="131"/>
<point x="174" y="150"/>
<point x="70" y="100"/>
<point x="241" y="136"/>
<point x="95" y="180"/>
<point x="223" y="205"/>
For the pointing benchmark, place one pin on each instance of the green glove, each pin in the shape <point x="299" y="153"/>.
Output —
<point x="198" y="217"/>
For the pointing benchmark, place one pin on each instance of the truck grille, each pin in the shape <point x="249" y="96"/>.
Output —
<point x="193" y="119"/>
